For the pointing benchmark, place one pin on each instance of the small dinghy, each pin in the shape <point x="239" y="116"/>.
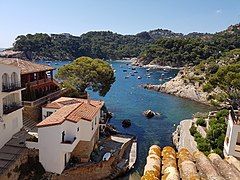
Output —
<point x="139" y="77"/>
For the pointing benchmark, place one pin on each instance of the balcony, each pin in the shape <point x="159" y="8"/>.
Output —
<point x="7" y="109"/>
<point x="69" y="145"/>
<point x="40" y="81"/>
<point x="11" y="87"/>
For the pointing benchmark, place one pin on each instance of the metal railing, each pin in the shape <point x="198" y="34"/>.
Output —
<point x="9" y="87"/>
<point x="45" y="99"/>
<point x="8" y="108"/>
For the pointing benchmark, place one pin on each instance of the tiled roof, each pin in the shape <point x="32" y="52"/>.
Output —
<point x="168" y="164"/>
<point x="71" y="109"/>
<point x="25" y="66"/>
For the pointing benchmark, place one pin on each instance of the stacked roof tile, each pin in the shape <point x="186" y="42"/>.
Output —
<point x="71" y="109"/>
<point x="171" y="165"/>
<point x="25" y="66"/>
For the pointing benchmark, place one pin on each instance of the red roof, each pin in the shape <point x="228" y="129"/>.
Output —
<point x="71" y="109"/>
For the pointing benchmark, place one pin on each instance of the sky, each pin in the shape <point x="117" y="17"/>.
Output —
<point x="122" y="16"/>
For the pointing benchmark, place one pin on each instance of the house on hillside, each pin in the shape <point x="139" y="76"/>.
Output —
<point x="232" y="140"/>
<point x="70" y="128"/>
<point x="40" y="86"/>
<point x="10" y="102"/>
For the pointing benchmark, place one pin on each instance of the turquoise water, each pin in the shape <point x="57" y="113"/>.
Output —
<point x="127" y="100"/>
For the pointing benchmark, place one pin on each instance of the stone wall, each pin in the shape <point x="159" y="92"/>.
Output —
<point x="88" y="172"/>
<point x="13" y="172"/>
<point x="32" y="113"/>
<point x="84" y="149"/>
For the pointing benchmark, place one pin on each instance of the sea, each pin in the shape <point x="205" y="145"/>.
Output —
<point x="127" y="100"/>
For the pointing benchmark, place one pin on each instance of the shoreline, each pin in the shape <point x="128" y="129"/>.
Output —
<point x="155" y="66"/>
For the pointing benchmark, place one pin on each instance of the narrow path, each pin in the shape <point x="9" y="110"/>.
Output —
<point x="186" y="140"/>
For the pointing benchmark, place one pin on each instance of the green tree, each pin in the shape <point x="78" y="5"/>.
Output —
<point x="86" y="72"/>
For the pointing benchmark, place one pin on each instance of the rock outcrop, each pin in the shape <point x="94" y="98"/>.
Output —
<point x="181" y="86"/>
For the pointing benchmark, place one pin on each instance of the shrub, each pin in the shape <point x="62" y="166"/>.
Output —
<point x="193" y="129"/>
<point x="207" y="87"/>
<point x="222" y="113"/>
<point x="201" y="122"/>
<point x="219" y="152"/>
<point x="203" y="145"/>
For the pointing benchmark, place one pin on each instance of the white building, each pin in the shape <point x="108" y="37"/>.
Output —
<point x="232" y="140"/>
<point x="70" y="127"/>
<point x="10" y="102"/>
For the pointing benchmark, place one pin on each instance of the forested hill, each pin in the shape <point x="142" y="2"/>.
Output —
<point x="162" y="47"/>
<point x="101" y="44"/>
<point x="190" y="49"/>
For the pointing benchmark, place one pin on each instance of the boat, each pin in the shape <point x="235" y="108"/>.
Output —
<point x="48" y="61"/>
<point x="125" y="70"/>
<point x="56" y="63"/>
<point x="132" y="74"/>
<point x="132" y="155"/>
<point x="148" y="76"/>
<point x="133" y="68"/>
<point x="126" y="77"/>
<point x="49" y="64"/>
<point x="148" y="69"/>
<point x="139" y="77"/>
<point x="160" y="79"/>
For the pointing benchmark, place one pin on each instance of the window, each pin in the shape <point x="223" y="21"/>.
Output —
<point x="49" y="113"/>
<point x="95" y="120"/>
<point x="77" y="129"/>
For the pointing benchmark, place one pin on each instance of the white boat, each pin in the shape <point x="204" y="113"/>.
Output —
<point x="148" y="76"/>
<point x="106" y="156"/>
<point x="139" y="77"/>
<point x="126" y="77"/>
<point x="148" y="69"/>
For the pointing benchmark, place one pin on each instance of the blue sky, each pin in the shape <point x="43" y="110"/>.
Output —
<point x="121" y="16"/>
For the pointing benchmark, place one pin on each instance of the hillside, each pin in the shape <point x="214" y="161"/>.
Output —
<point x="190" y="49"/>
<point x="214" y="81"/>
<point x="101" y="44"/>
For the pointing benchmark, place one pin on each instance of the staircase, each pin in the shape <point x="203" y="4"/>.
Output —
<point x="29" y="125"/>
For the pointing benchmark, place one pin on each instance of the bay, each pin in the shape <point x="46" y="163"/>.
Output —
<point x="127" y="100"/>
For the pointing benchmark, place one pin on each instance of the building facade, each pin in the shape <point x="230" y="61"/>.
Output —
<point x="70" y="128"/>
<point x="232" y="140"/>
<point x="10" y="102"/>
<point x="38" y="83"/>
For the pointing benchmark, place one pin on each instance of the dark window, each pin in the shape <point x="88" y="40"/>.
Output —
<point x="49" y="113"/>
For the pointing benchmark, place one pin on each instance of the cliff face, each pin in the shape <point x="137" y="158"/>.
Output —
<point x="180" y="86"/>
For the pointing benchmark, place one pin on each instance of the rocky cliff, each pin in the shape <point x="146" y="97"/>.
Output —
<point x="181" y="86"/>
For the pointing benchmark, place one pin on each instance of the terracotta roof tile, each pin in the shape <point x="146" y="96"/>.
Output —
<point x="71" y="109"/>
<point x="25" y="66"/>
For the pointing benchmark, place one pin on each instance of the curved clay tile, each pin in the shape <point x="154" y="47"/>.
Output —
<point x="223" y="167"/>
<point x="233" y="161"/>
<point x="152" y="170"/>
<point x="187" y="167"/>
<point x="169" y="165"/>
<point x="204" y="165"/>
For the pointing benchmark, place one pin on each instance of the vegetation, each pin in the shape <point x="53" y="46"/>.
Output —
<point x="201" y="122"/>
<point x="190" y="50"/>
<point x="222" y="73"/>
<point x="86" y="73"/>
<point x="102" y="44"/>
<point x="159" y="46"/>
<point x="216" y="132"/>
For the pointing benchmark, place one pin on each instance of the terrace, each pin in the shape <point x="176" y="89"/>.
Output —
<point x="9" y="108"/>
<point x="9" y="87"/>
